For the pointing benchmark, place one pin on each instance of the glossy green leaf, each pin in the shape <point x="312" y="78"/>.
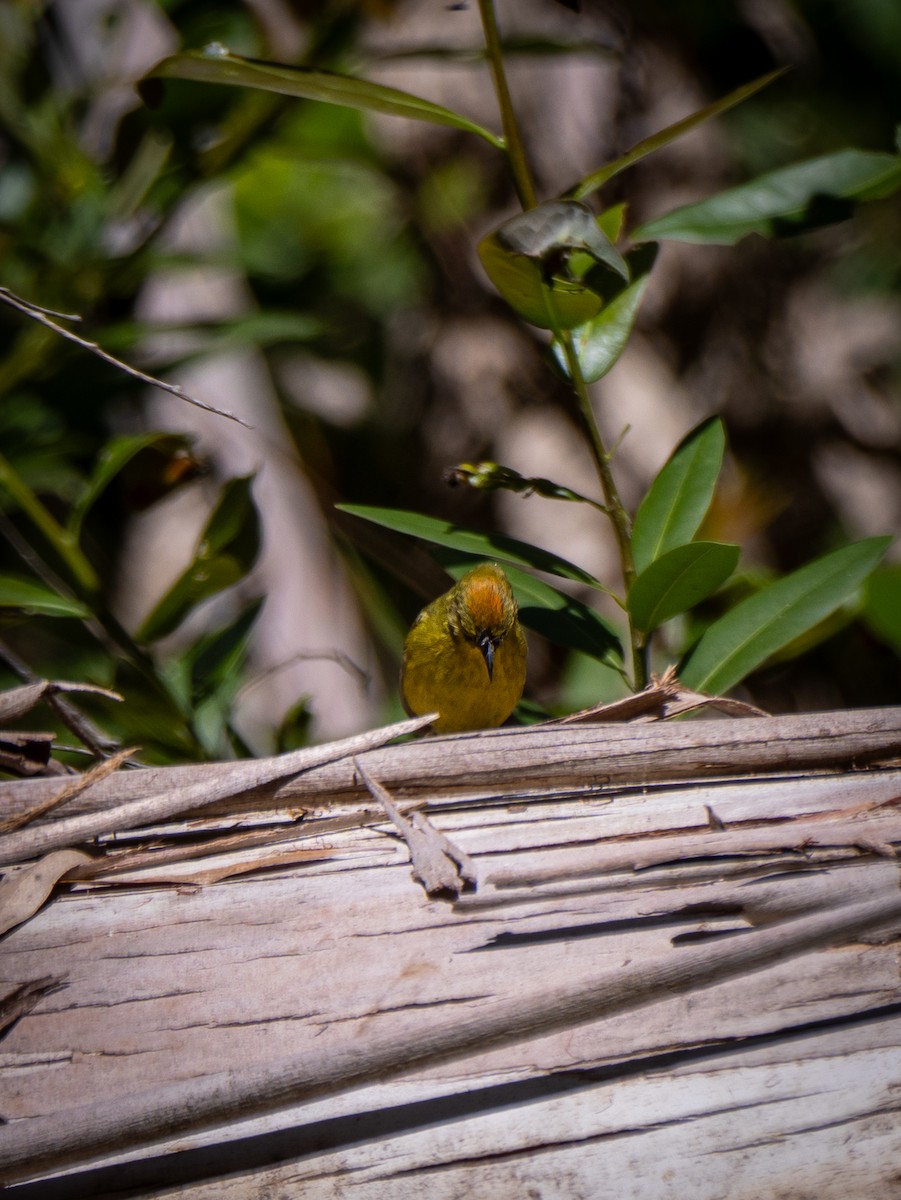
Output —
<point x="790" y="200"/>
<point x="764" y="623"/>
<point x="612" y="220"/>
<point x="678" y="499"/>
<point x="216" y="65"/>
<point x="562" y="619"/>
<point x="113" y="458"/>
<point x="658" y="140"/>
<point x="227" y="549"/>
<point x="553" y="303"/>
<point x="527" y="259"/>
<point x="472" y="541"/>
<point x="234" y="524"/>
<point x="204" y="578"/>
<point x="27" y="596"/>
<point x="601" y="341"/>
<point x="679" y="580"/>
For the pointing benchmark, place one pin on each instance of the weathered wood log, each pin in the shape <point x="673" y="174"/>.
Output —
<point x="666" y="984"/>
<point x="516" y="760"/>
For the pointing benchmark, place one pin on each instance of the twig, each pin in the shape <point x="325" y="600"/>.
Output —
<point x="241" y="777"/>
<point x="44" y="316"/>
<point x="344" y="661"/>
<point x="98" y="742"/>
<point x="72" y="789"/>
<point x="441" y="867"/>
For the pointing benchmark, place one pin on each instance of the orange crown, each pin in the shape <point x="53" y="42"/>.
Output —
<point x="485" y="600"/>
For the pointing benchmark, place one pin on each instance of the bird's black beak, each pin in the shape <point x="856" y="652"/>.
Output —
<point x="486" y="645"/>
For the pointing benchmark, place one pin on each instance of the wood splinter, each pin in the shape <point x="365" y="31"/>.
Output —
<point x="442" y="868"/>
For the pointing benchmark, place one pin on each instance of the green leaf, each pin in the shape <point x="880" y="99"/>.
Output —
<point x="549" y="303"/>
<point x="658" y="140"/>
<point x="216" y="660"/>
<point x="216" y="65"/>
<point x="227" y="549"/>
<point x="678" y="499"/>
<point x="882" y="604"/>
<point x="34" y="598"/>
<point x="803" y="196"/>
<point x="612" y="220"/>
<point x="679" y="580"/>
<point x="114" y="456"/>
<point x="472" y="541"/>
<point x="562" y="619"/>
<point x="760" y="626"/>
<point x="601" y="341"/>
<point x="234" y="524"/>
<point x="204" y="578"/>
<point x="527" y="259"/>
<point x="294" y="731"/>
<point x="199" y="338"/>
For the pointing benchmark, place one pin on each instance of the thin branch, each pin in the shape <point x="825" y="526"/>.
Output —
<point x="516" y="155"/>
<point x="44" y="316"/>
<point x="442" y="868"/>
<point x="170" y="802"/>
<point x="99" y="743"/>
<point x="344" y="661"/>
<point x="72" y="789"/>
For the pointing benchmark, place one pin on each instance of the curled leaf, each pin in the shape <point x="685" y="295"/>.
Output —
<point x="24" y="889"/>
<point x="531" y="261"/>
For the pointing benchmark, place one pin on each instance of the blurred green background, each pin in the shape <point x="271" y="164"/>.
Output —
<point x="312" y="271"/>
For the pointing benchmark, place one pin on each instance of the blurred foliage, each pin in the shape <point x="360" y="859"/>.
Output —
<point x="356" y="254"/>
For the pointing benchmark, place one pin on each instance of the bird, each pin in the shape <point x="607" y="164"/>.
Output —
<point x="465" y="654"/>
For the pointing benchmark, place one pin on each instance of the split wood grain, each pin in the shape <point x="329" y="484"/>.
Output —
<point x="147" y="1117"/>
<point x="262" y="993"/>
<point x="539" y="757"/>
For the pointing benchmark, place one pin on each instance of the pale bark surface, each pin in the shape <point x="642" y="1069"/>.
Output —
<point x="678" y="975"/>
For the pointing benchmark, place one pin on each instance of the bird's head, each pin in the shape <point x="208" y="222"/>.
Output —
<point x="484" y="609"/>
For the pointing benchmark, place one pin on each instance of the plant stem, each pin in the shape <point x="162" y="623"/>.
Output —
<point x="83" y="580"/>
<point x="516" y="155"/>
<point x="619" y="518"/>
<point x="82" y="573"/>
<point x="525" y="189"/>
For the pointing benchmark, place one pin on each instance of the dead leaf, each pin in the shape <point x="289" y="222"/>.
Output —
<point x="24" y="889"/>
<point x="18" y="701"/>
<point x="664" y="697"/>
